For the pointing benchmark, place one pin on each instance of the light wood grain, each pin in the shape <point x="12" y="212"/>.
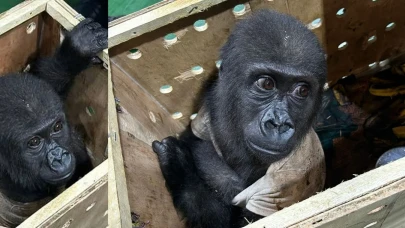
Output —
<point x="323" y="204"/>
<point x="118" y="205"/>
<point x="73" y="202"/>
<point x="156" y="18"/>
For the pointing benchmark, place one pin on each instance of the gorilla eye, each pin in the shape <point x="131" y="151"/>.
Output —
<point x="34" y="142"/>
<point x="302" y="91"/>
<point x="265" y="83"/>
<point x="57" y="127"/>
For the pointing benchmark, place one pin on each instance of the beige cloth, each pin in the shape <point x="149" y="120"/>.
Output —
<point x="13" y="213"/>
<point x="287" y="181"/>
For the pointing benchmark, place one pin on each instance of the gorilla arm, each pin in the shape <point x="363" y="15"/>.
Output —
<point x="73" y="56"/>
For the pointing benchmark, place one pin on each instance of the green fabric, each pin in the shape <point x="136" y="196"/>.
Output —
<point x="125" y="7"/>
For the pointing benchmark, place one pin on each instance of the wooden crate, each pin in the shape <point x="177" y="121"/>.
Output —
<point x="32" y="29"/>
<point x="145" y="114"/>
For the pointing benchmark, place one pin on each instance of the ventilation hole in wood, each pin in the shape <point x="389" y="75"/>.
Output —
<point x="152" y="117"/>
<point x="67" y="224"/>
<point x="218" y="63"/>
<point x="372" y="39"/>
<point x="196" y="70"/>
<point x="374" y="0"/>
<point x="200" y="25"/>
<point x="134" y="54"/>
<point x="390" y="26"/>
<point x="315" y="23"/>
<point x="31" y="27"/>
<point x="177" y="115"/>
<point x="343" y="46"/>
<point x="165" y="89"/>
<point x="377" y="209"/>
<point x="372" y="65"/>
<point x="239" y="10"/>
<point x="91" y="206"/>
<point x="90" y="111"/>
<point x="341" y="12"/>
<point x="384" y="62"/>
<point x="371" y="224"/>
<point x="170" y="39"/>
<point x="193" y="116"/>
<point x="105" y="213"/>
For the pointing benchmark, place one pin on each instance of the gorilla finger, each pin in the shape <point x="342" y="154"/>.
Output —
<point x="158" y="147"/>
<point x="169" y="140"/>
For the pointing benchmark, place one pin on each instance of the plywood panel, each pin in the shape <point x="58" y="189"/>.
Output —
<point x="141" y="115"/>
<point x="17" y="47"/>
<point x="160" y="65"/>
<point x="148" y="195"/>
<point x="361" y="20"/>
<point x="87" y="110"/>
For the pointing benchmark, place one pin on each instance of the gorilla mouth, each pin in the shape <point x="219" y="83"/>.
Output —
<point x="60" y="179"/>
<point x="255" y="147"/>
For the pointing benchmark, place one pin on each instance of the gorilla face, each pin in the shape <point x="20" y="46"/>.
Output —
<point x="36" y="144"/>
<point x="269" y="87"/>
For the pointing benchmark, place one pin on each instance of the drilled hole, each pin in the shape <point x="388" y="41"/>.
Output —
<point x="105" y="213"/>
<point x="200" y="25"/>
<point x="377" y="209"/>
<point x="196" y="70"/>
<point x="218" y="63"/>
<point x="177" y="115"/>
<point x="390" y="26"/>
<point x="343" y="45"/>
<point x="315" y="23"/>
<point x="152" y="117"/>
<point x="371" y="224"/>
<point x="165" y="89"/>
<point x="384" y="62"/>
<point x="134" y="54"/>
<point x="341" y="12"/>
<point x="170" y="38"/>
<point x="372" y="39"/>
<point x="372" y="65"/>
<point x="239" y="10"/>
<point x="91" y="206"/>
<point x="31" y="27"/>
<point x="193" y="116"/>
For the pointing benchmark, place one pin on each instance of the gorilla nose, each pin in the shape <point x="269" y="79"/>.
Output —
<point x="280" y="127"/>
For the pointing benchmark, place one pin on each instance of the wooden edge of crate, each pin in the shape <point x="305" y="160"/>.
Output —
<point x="21" y="13"/>
<point x="155" y="19"/>
<point x="69" y="198"/>
<point x="344" y="194"/>
<point x="119" y="212"/>
<point x="68" y="18"/>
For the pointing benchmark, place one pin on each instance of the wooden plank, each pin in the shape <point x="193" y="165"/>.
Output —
<point x="68" y="18"/>
<point x="141" y="115"/>
<point x="156" y="18"/>
<point x="20" y="13"/>
<point x="50" y="36"/>
<point x="345" y="194"/>
<point x="148" y="195"/>
<point x="355" y="27"/>
<point x="75" y="206"/>
<point x="17" y="53"/>
<point x="119" y="212"/>
<point x="87" y="110"/>
<point x="161" y="65"/>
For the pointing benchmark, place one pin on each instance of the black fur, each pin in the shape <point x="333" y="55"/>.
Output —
<point x="253" y="127"/>
<point x="31" y="104"/>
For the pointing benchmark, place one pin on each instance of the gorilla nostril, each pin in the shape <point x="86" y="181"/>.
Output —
<point x="284" y="128"/>
<point x="271" y="125"/>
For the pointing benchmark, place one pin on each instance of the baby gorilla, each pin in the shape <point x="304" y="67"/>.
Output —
<point x="39" y="152"/>
<point x="259" y="110"/>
